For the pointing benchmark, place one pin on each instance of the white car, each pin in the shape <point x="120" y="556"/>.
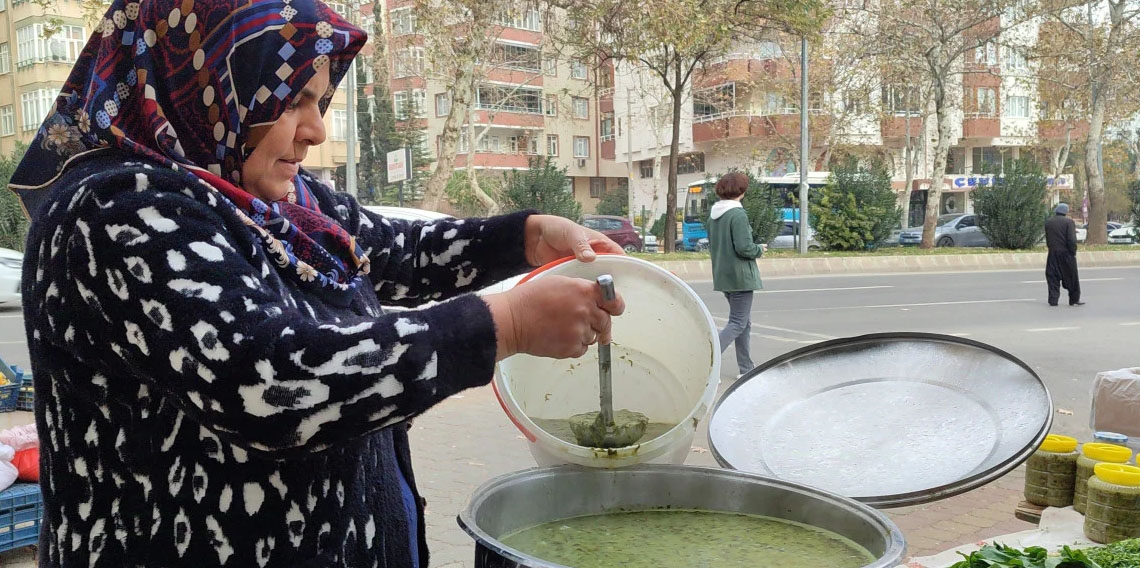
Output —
<point x="1125" y="235"/>
<point x="413" y="214"/>
<point x="1083" y="230"/>
<point x="11" y="267"/>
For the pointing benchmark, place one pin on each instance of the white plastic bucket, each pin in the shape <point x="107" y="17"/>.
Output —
<point x="666" y="365"/>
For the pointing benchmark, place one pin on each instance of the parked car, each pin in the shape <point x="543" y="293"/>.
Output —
<point x="620" y="229"/>
<point x="954" y="230"/>
<point x="649" y="239"/>
<point x="786" y="238"/>
<point x="1125" y="235"/>
<point x="1083" y="230"/>
<point x="11" y="265"/>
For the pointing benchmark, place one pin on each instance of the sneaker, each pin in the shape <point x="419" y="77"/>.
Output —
<point x="1076" y="303"/>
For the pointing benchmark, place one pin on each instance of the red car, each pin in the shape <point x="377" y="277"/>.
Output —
<point x="617" y="228"/>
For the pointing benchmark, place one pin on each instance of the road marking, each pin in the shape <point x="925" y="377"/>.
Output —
<point x="786" y="330"/>
<point x="1082" y="280"/>
<point x="904" y="306"/>
<point x="13" y="342"/>
<point x="824" y="289"/>
<point x="21" y="316"/>
<point x="1131" y="323"/>
<point x="820" y="336"/>
<point x="1046" y="329"/>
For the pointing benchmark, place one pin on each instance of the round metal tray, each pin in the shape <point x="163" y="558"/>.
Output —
<point x="887" y="419"/>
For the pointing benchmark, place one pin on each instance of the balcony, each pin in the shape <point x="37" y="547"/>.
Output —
<point x="512" y="160"/>
<point x="510" y="116"/>
<point x="744" y="124"/>
<point x="981" y="125"/>
<point x="743" y="71"/>
<point x="1059" y="129"/>
<point x="609" y="148"/>
<point x="896" y="126"/>
<point x="606" y="100"/>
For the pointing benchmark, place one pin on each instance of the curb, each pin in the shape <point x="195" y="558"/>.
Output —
<point x="702" y="269"/>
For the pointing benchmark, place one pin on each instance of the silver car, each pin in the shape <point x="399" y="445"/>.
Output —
<point x="954" y="230"/>
<point x="786" y="238"/>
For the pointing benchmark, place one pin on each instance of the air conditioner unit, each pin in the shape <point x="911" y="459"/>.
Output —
<point x="581" y="162"/>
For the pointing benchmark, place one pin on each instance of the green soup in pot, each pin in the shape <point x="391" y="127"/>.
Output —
<point x="686" y="539"/>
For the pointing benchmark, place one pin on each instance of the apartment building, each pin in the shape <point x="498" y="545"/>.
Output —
<point x="529" y="103"/>
<point x="35" y="64"/>
<point x="742" y="112"/>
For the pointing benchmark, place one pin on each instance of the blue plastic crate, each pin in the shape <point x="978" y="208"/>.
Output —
<point x="8" y="397"/>
<point x="21" y="511"/>
<point x="26" y="400"/>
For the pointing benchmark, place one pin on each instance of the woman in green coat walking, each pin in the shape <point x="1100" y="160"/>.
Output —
<point x="734" y="257"/>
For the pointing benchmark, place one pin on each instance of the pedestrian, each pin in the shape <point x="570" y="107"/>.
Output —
<point x="734" y="267"/>
<point x="1061" y="265"/>
<point x="217" y="383"/>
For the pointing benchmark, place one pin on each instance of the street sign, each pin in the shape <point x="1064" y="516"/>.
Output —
<point x="398" y="165"/>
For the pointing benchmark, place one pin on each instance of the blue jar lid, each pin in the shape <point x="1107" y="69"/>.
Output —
<point x="1110" y="438"/>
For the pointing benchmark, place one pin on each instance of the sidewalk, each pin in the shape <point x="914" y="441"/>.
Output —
<point x="883" y="264"/>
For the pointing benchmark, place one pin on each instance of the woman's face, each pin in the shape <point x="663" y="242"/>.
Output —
<point x="269" y="170"/>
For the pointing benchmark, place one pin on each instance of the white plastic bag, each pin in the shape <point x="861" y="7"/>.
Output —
<point x="8" y="471"/>
<point x="20" y="437"/>
<point x="1116" y="402"/>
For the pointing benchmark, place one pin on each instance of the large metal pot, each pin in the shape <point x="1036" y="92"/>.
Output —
<point x="532" y="497"/>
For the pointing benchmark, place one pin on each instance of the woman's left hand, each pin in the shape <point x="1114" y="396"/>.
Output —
<point x="549" y="238"/>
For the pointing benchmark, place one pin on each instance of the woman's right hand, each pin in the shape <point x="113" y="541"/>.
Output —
<point x="554" y="316"/>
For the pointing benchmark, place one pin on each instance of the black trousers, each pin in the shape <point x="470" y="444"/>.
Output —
<point x="1061" y="271"/>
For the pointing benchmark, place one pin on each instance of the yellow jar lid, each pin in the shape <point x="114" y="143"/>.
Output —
<point x="1118" y="474"/>
<point x="1058" y="444"/>
<point x="1106" y="452"/>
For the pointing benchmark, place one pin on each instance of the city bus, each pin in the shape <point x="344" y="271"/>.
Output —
<point x="700" y="195"/>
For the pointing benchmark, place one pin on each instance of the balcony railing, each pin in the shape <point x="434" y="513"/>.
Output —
<point x="981" y="114"/>
<point x="509" y="108"/>
<point x="608" y="137"/>
<point x="606" y="92"/>
<point x="743" y="112"/>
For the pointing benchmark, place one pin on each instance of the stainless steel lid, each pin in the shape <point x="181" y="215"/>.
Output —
<point x="887" y="419"/>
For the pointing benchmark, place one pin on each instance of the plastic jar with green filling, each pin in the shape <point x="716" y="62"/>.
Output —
<point x="1092" y="454"/>
<point x="1051" y="472"/>
<point x="1113" y="507"/>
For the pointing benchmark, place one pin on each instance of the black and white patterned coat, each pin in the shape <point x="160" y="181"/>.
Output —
<point x="197" y="408"/>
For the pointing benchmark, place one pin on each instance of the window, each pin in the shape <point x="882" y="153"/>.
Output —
<point x="551" y="144"/>
<point x="597" y="187"/>
<point x="509" y="99"/>
<point x="769" y="50"/>
<point x="409" y="61"/>
<point x="7" y="120"/>
<point x="339" y="124"/>
<point x="523" y="58"/>
<point x="419" y="103"/>
<point x="855" y="102"/>
<point x="987" y="160"/>
<point x="34" y="107"/>
<point x="607" y="126"/>
<point x="956" y="161"/>
<point x="3" y="5"/>
<point x="691" y="163"/>
<point x="524" y="20"/>
<point x="63" y="46"/>
<point x="986" y="54"/>
<point x="522" y="145"/>
<point x="339" y="8"/>
<point x="400" y="104"/>
<point x="581" y="146"/>
<point x="646" y="167"/>
<point x="1017" y="107"/>
<point x="774" y="103"/>
<point x="550" y="66"/>
<point x="5" y="58"/>
<point x="986" y="100"/>
<point x="443" y="104"/>
<point x="714" y="101"/>
<point x="581" y="108"/>
<point x="901" y="100"/>
<point x="577" y="70"/>
<point x="551" y="108"/>
<point x="403" y="21"/>
<point x="1015" y="60"/>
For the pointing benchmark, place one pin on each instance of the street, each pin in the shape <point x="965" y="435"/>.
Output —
<point x="467" y="439"/>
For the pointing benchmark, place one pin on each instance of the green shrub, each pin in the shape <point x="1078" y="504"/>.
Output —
<point x="1013" y="208"/>
<point x="857" y="209"/>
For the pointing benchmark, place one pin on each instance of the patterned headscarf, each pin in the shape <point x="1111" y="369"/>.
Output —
<point x="195" y="84"/>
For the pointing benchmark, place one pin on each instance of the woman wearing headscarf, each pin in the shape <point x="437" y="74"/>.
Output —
<point x="216" y="381"/>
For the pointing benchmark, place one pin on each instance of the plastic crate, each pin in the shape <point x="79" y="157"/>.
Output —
<point x="21" y="511"/>
<point x="8" y="397"/>
<point x="26" y="400"/>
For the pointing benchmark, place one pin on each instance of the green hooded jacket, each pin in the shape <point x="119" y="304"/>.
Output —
<point x="733" y="252"/>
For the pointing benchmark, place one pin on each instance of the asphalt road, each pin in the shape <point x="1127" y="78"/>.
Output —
<point x="1065" y="346"/>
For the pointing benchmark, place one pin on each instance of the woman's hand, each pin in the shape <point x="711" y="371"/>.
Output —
<point x="554" y="316"/>
<point x="549" y="238"/>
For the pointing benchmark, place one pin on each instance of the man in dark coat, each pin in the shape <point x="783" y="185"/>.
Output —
<point x="1061" y="267"/>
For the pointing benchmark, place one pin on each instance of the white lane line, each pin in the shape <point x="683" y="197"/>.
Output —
<point x="823" y="289"/>
<point x="904" y="306"/>
<point x="1047" y="329"/>
<point x="1082" y="280"/>
<point x="1131" y="323"/>
<point x="820" y="336"/>
<point x="21" y="316"/>
<point x="13" y="342"/>
<point x="786" y="330"/>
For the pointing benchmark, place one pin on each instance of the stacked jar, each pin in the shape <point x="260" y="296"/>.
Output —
<point x="1092" y="454"/>
<point x="1051" y="472"/>
<point x="1113" y="509"/>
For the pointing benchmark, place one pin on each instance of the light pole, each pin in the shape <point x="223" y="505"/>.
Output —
<point x="805" y="147"/>
<point x="350" y="110"/>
